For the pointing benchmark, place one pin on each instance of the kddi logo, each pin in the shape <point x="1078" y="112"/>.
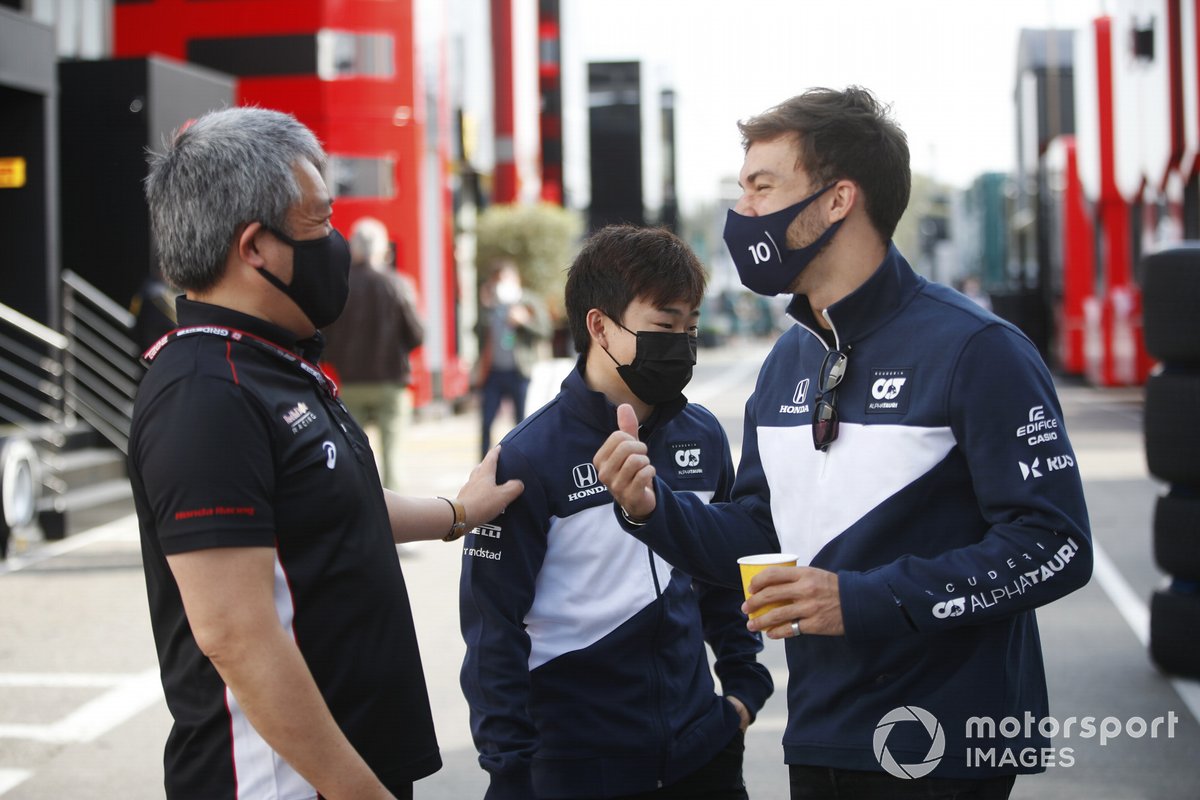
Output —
<point x="909" y="715"/>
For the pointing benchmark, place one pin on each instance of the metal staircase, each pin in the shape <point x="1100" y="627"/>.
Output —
<point x="66" y="399"/>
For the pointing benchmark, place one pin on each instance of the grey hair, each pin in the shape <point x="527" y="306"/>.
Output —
<point x="228" y="168"/>
<point x="369" y="242"/>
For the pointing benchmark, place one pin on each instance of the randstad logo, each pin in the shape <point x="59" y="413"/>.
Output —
<point x="937" y="742"/>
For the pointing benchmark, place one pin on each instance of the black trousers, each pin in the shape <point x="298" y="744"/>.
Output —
<point x="826" y="783"/>
<point x="719" y="779"/>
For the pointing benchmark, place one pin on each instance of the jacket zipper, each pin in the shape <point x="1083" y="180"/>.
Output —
<point x="656" y="681"/>
<point x="656" y="678"/>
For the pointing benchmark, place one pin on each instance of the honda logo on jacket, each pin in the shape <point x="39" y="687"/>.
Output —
<point x="585" y="476"/>
<point x="586" y="481"/>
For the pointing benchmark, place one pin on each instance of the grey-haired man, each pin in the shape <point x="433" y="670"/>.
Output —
<point x="283" y="627"/>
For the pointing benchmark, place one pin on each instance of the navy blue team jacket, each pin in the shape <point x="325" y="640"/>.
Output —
<point x="586" y="668"/>
<point x="950" y="507"/>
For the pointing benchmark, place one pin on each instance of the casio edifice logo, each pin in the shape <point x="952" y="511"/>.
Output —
<point x="797" y="406"/>
<point x="890" y="389"/>
<point x="586" y="482"/>
<point x="1039" y="429"/>
<point x="299" y="417"/>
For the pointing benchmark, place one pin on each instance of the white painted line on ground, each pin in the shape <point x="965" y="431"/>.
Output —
<point x="123" y="529"/>
<point x="11" y="778"/>
<point x="97" y="717"/>
<point x="1121" y="593"/>
<point x="1137" y="615"/>
<point x="61" y="680"/>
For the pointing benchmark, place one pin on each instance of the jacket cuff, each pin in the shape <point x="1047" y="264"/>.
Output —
<point x="752" y="693"/>
<point x="870" y="610"/>
<point x="512" y="784"/>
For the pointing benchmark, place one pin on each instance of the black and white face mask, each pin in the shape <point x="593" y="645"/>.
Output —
<point x="758" y="247"/>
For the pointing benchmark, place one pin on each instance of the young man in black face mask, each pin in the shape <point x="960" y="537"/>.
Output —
<point x="284" y="633"/>
<point x="586" y="669"/>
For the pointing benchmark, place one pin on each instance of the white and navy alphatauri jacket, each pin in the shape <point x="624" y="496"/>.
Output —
<point x="586" y="670"/>
<point x="950" y="507"/>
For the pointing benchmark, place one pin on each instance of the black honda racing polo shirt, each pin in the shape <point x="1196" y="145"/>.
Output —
<point x="239" y="442"/>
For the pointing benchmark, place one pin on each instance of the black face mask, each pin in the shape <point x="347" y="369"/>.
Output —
<point x="320" y="276"/>
<point x="662" y="365"/>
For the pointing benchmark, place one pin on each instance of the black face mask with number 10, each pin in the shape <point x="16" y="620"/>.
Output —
<point x="757" y="246"/>
<point x="661" y="367"/>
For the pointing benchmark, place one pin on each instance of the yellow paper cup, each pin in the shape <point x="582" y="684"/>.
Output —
<point x="752" y="565"/>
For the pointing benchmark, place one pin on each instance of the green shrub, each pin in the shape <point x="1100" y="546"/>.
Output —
<point x="542" y="239"/>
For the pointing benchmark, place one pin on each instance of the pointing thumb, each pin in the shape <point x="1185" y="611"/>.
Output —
<point x="627" y="420"/>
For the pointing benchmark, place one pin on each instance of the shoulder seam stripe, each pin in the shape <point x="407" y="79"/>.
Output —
<point x="229" y="359"/>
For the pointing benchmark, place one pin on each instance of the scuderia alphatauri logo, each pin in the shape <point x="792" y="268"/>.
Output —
<point x="686" y="456"/>
<point x="889" y="391"/>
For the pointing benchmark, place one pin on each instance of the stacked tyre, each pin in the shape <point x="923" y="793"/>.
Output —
<point x="1171" y="320"/>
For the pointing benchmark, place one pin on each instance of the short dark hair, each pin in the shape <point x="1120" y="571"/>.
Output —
<point x="621" y="263"/>
<point x="849" y="135"/>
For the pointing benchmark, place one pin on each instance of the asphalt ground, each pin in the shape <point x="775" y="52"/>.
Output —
<point x="81" y="711"/>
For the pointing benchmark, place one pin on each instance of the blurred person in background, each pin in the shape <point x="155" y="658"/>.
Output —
<point x="370" y="343"/>
<point x="283" y="626"/>
<point x="973" y="289"/>
<point x="586" y="669"/>
<point x="513" y="327"/>
<point x="909" y="447"/>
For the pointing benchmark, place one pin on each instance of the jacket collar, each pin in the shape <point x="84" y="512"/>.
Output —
<point x="890" y="288"/>
<point x="595" y="410"/>
<point x="192" y="312"/>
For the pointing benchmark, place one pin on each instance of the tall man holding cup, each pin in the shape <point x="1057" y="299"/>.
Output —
<point x="887" y="445"/>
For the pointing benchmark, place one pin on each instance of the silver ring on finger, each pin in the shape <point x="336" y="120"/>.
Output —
<point x="795" y="627"/>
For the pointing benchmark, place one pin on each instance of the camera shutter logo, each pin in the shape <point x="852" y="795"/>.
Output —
<point x="585" y="476"/>
<point x="937" y="742"/>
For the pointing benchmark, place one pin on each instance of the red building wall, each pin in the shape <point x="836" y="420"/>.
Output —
<point x="271" y="46"/>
